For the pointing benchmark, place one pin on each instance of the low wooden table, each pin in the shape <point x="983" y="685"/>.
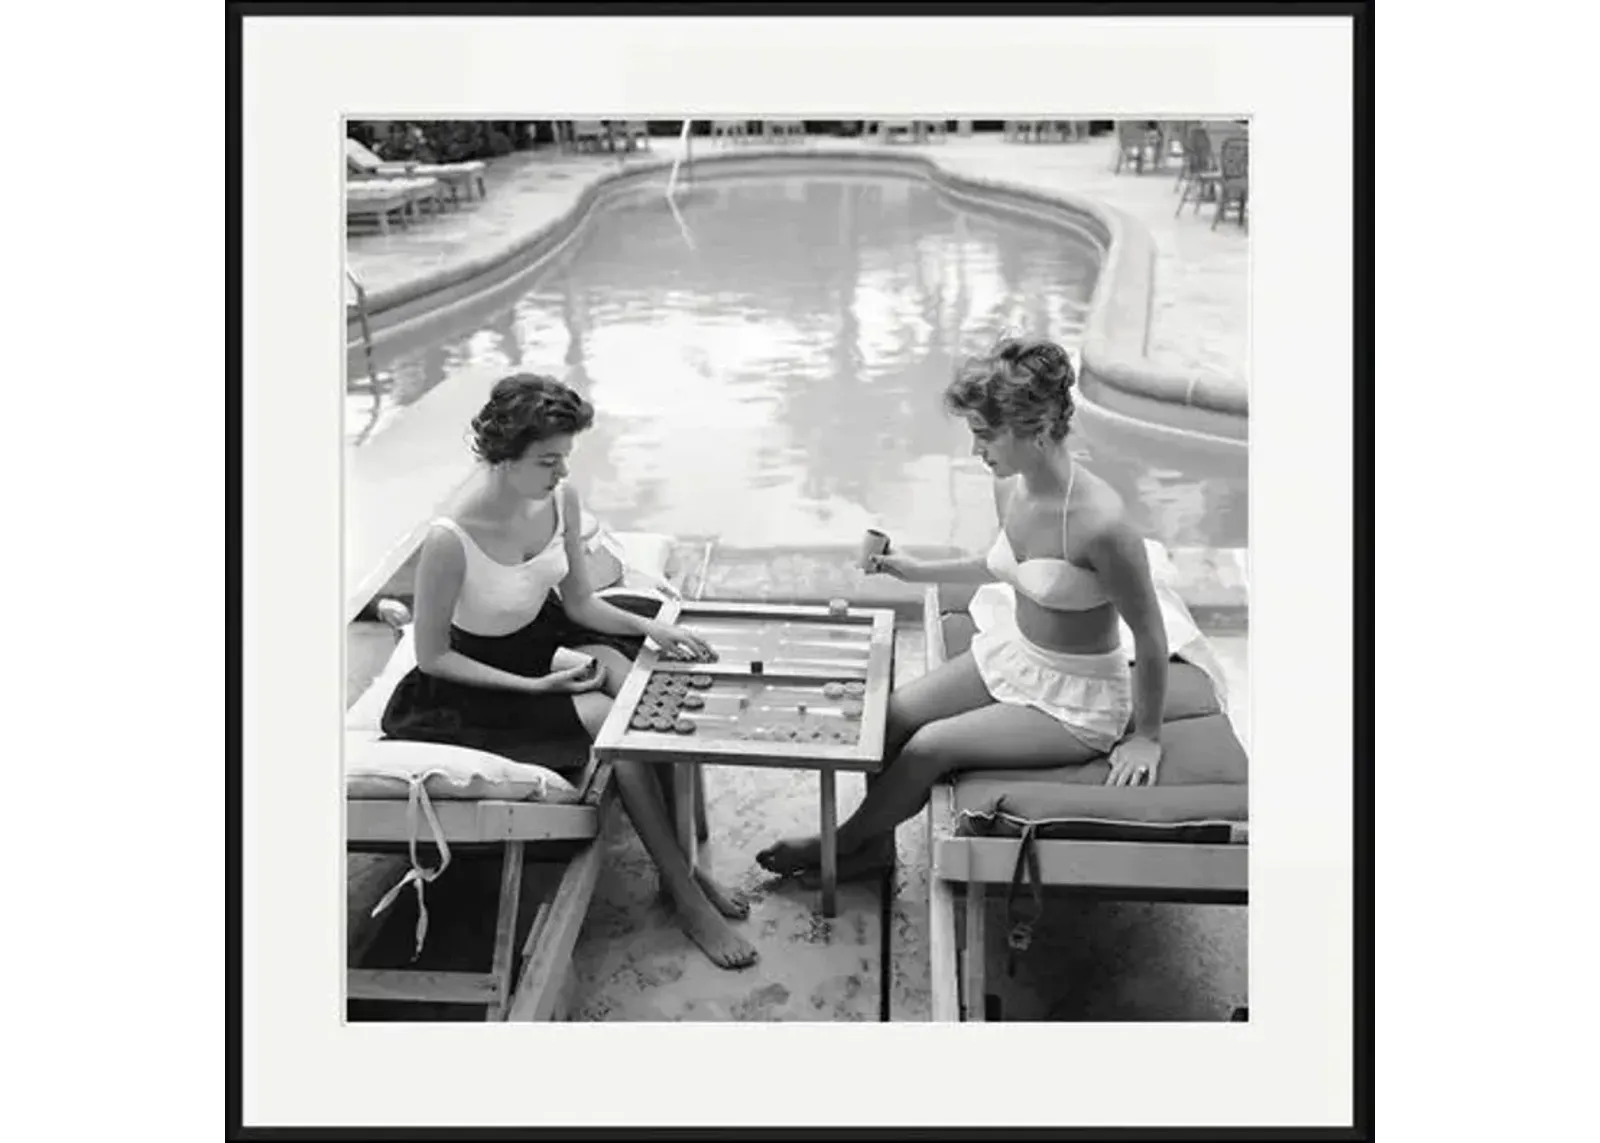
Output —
<point x="795" y="686"/>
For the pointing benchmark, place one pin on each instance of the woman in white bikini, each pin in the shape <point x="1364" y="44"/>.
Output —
<point x="1052" y="686"/>
<point x="488" y="625"/>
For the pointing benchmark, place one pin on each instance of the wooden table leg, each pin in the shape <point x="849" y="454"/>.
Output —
<point x="830" y="844"/>
<point x="683" y="783"/>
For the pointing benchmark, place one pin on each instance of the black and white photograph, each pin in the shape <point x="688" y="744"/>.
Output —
<point x="797" y="569"/>
<point x="793" y="552"/>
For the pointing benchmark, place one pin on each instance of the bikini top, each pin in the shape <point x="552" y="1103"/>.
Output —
<point x="497" y="598"/>
<point x="1058" y="584"/>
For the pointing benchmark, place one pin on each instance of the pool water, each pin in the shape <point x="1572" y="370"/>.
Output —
<point x="767" y="364"/>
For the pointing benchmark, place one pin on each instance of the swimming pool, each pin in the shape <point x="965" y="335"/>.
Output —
<point x="766" y="366"/>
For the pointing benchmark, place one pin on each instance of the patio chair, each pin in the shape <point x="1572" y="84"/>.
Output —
<point x="731" y="130"/>
<point x="1233" y="180"/>
<point x="783" y="130"/>
<point x="377" y="199"/>
<point x="888" y="129"/>
<point x="362" y="163"/>
<point x="591" y="134"/>
<point x="1168" y="132"/>
<point x="634" y="133"/>
<point x="1198" y="176"/>
<point x="1056" y="130"/>
<point x="1134" y="138"/>
<point x="1063" y="831"/>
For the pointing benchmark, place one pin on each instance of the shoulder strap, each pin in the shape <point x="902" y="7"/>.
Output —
<point x="450" y="525"/>
<point x="1002" y="500"/>
<point x="1066" y="504"/>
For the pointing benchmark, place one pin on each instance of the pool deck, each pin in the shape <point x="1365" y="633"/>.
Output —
<point x="1200" y="318"/>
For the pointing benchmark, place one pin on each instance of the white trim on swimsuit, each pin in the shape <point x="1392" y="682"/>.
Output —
<point x="1090" y="695"/>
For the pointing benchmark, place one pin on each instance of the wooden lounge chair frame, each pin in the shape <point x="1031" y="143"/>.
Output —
<point x="518" y="829"/>
<point x="1118" y="870"/>
<point x="362" y="163"/>
<point x="380" y="197"/>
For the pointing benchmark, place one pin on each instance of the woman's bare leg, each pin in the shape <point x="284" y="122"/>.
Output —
<point x="996" y="737"/>
<point x="727" y="901"/>
<point x="700" y="917"/>
<point x="949" y="689"/>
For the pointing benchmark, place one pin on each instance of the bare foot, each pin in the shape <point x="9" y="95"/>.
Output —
<point x="727" y="902"/>
<point x="865" y="863"/>
<point x="706" y="928"/>
<point x="791" y="855"/>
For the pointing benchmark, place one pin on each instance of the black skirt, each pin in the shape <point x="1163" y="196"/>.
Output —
<point x="537" y="729"/>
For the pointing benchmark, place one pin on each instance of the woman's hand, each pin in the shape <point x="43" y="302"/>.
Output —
<point x="901" y="567"/>
<point x="1134" y="762"/>
<point x="577" y="680"/>
<point x="681" y="644"/>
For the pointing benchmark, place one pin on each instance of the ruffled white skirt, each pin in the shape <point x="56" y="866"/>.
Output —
<point x="1091" y="695"/>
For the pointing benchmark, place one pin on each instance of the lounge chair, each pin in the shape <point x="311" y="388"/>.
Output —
<point x="1184" y="839"/>
<point x="560" y="832"/>
<point x="395" y="483"/>
<point x="379" y="198"/>
<point x="362" y="163"/>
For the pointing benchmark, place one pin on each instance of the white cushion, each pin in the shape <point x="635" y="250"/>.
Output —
<point x="375" y="768"/>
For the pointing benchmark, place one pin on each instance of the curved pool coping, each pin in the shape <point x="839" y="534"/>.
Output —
<point x="1116" y="373"/>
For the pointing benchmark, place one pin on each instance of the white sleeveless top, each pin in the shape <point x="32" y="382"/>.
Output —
<point x="497" y="598"/>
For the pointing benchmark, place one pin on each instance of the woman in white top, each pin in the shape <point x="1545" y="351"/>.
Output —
<point x="1050" y="687"/>
<point x="488" y="624"/>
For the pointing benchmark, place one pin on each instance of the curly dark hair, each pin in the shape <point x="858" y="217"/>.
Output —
<point x="1022" y="384"/>
<point x="522" y="410"/>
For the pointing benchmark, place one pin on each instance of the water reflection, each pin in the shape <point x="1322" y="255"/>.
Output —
<point x="778" y="381"/>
